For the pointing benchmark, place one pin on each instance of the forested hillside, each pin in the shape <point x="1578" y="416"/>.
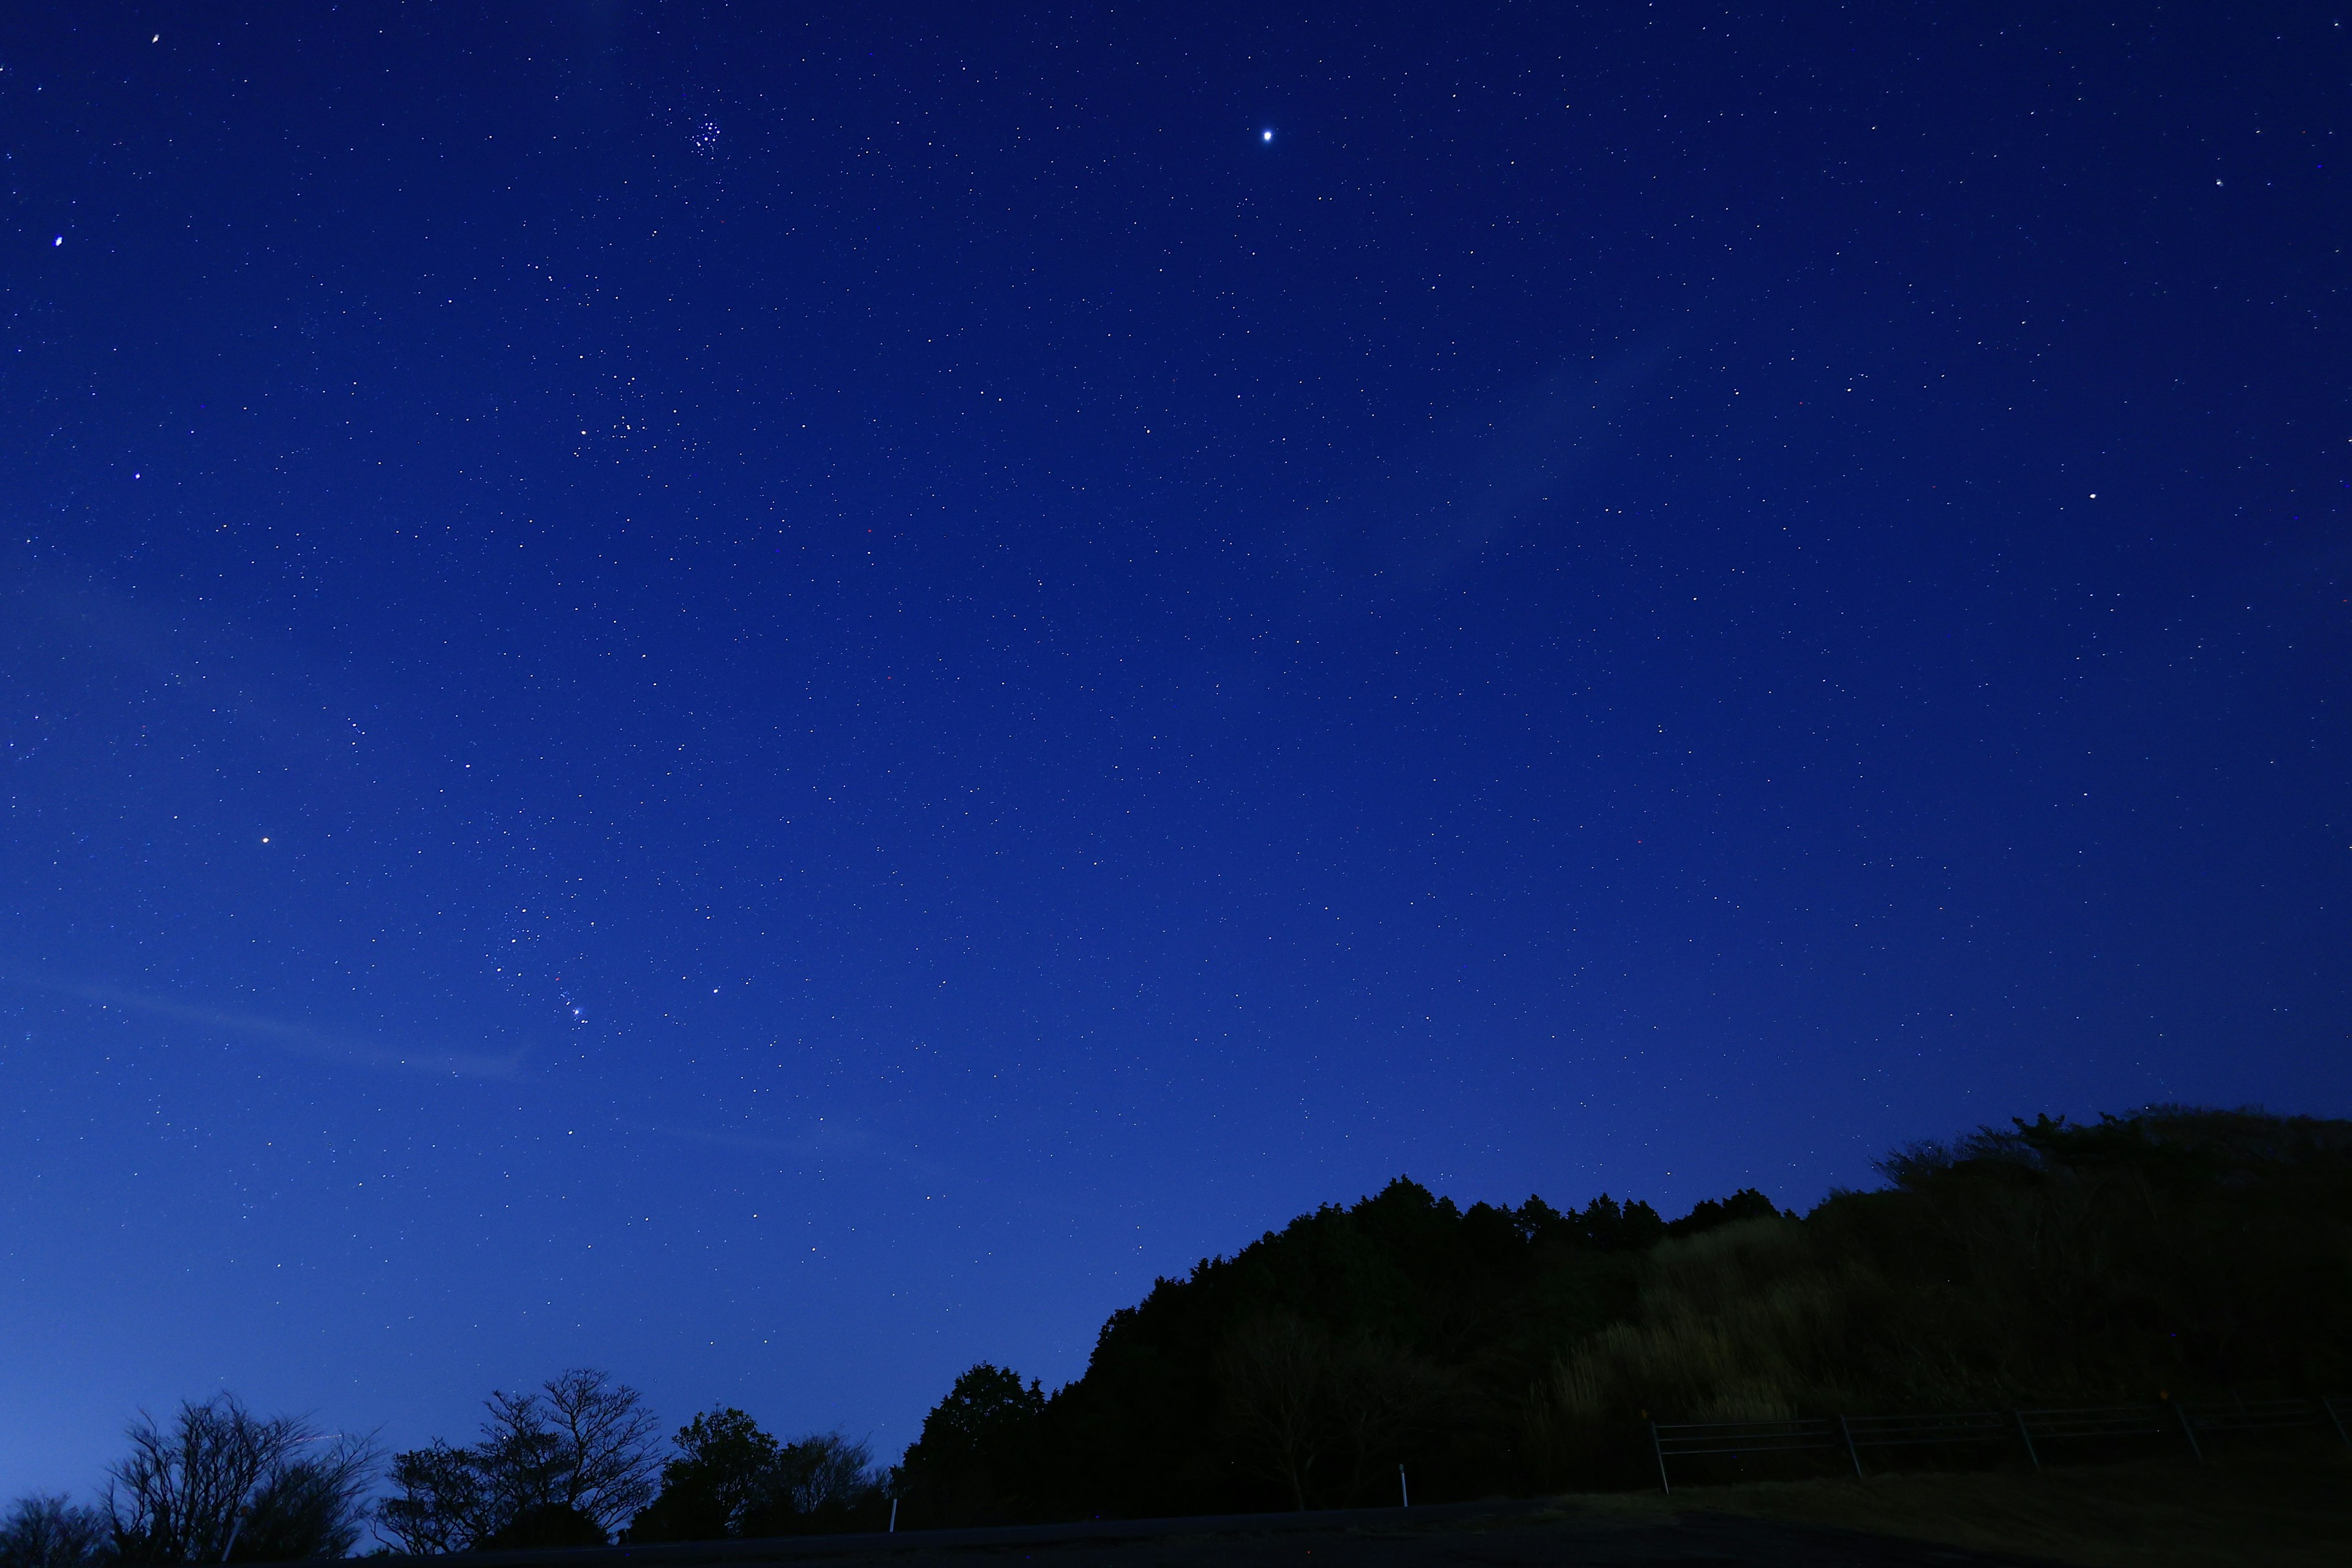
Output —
<point x="1491" y="1350"/>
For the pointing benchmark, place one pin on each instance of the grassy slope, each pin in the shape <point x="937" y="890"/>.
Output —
<point x="2285" y="1511"/>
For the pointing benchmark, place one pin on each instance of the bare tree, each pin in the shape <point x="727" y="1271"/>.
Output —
<point x="825" y="1471"/>
<point x="574" y="1458"/>
<point x="221" y="1484"/>
<point x="1276" y="1374"/>
<point x="313" y="1507"/>
<point x="42" y="1531"/>
<point x="605" y="1441"/>
<point x="1322" y="1416"/>
<point x="1381" y="1395"/>
<point x="440" y="1502"/>
<point x="520" y="1464"/>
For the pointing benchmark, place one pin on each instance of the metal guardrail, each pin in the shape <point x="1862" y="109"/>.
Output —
<point x="1689" y="1439"/>
<point x="2255" y="1417"/>
<point x="2190" y="1423"/>
<point x="2101" y="1423"/>
<point x="1915" y="1431"/>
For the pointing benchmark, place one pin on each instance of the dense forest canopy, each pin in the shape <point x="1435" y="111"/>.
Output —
<point x="1497" y="1350"/>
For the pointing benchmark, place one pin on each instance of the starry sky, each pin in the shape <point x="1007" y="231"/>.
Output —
<point x="777" y="697"/>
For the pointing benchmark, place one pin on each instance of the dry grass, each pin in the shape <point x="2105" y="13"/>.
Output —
<point x="2278" y="1510"/>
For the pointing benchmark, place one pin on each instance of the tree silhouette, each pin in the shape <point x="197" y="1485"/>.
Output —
<point x="222" y="1485"/>
<point x="728" y="1478"/>
<point x="725" y="1467"/>
<point x="975" y="1460"/>
<point x="45" y="1531"/>
<point x="565" y="1465"/>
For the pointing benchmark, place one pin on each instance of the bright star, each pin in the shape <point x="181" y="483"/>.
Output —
<point x="1268" y="136"/>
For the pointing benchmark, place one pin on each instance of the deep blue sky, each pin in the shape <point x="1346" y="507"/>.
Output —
<point x="776" y="699"/>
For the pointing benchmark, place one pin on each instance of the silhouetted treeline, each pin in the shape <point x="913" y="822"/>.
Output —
<point x="575" y="1462"/>
<point x="1303" y="1370"/>
<point x="214" y="1484"/>
<point x="1496" y="1351"/>
<point x="578" y="1462"/>
<point x="1489" y="1350"/>
<point x="731" y="1479"/>
<point x="563" y="1465"/>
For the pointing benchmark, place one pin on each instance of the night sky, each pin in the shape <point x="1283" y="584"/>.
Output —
<point x="776" y="699"/>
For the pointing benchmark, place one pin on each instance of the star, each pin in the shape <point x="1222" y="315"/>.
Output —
<point x="1268" y="136"/>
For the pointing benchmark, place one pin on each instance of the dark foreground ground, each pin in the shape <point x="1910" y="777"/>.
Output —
<point x="2263" y="1508"/>
<point x="1501" y="1535"/>
<point x="2255" y="1510"/>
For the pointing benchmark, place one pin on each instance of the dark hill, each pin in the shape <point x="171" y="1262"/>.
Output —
<point x="1495" y="1351"/>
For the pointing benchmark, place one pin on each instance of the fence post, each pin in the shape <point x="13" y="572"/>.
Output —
<point x="1846" y="1432"/>
<point x="2188" y="1429"/>
<point x="2334" y="1420"/>
<point x="2025" y="1436"/>
<point x="1658" y="1448"/>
